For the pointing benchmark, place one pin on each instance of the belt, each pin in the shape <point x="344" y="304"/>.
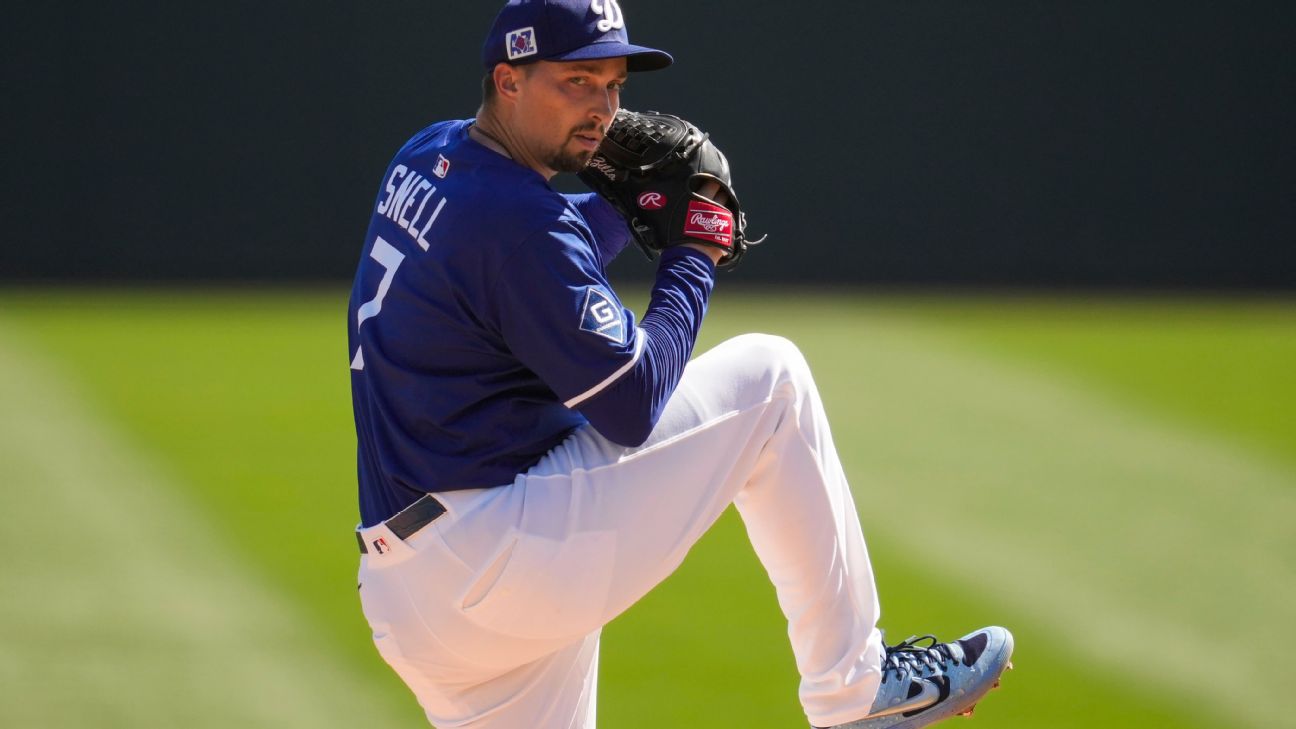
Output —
<point x="410" y="519"/>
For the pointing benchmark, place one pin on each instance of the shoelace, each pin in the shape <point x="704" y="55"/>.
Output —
<point x="909" y="657"/>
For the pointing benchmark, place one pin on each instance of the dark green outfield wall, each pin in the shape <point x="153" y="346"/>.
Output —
<point x="1086" y="143"/>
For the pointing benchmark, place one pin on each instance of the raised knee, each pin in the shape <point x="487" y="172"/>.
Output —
<point x="769" y="348"/>
<point x="769" y="356"/>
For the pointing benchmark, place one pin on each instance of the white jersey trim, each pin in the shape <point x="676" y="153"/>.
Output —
<point x="600" y="387"/>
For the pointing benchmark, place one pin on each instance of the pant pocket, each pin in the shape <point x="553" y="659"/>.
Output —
<point x="541" y="588"/>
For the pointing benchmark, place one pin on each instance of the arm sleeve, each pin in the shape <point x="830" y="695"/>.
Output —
<point x="627" y="410"/>
<point x="611" y="232"/>
<point x="561" y="319"/>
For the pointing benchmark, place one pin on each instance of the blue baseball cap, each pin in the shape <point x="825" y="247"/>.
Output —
<point x="565" y="30"/>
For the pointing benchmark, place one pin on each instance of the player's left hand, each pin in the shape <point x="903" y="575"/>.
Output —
<point x="671" y="183"/>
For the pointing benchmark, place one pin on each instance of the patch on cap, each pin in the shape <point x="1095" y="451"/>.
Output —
<point x="521" y="43"/>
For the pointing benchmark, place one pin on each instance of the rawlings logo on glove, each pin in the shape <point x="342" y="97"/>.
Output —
<point x="651" y="201"/>
<point x="709" y="223"/>
<point x="650" y="167"/>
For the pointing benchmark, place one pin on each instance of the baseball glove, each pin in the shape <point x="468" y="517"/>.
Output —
<point x="651" y="166"/>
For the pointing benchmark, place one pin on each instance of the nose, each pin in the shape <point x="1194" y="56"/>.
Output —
<point x="606" y="106"/>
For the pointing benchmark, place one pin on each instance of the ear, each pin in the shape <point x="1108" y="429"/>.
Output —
<point x="506" y="79"/>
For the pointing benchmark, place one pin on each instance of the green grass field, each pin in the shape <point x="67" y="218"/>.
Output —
<point x="1114" y="479"/>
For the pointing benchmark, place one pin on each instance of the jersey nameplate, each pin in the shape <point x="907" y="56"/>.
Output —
<point x="407" y="198"/>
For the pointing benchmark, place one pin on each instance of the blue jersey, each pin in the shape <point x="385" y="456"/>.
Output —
<point x="482" y="328"/>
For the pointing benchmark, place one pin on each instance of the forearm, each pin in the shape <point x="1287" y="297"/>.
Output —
<point x="627" y="411"/>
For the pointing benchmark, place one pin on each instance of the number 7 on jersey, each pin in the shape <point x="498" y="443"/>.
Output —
<point x="390" y="259"/>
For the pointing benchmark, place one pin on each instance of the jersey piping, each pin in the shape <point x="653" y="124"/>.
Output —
<point x="638" y="352"/>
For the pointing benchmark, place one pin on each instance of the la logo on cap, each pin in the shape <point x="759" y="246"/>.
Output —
<point x="520" y="43"/>
<point x="611" y="12"/>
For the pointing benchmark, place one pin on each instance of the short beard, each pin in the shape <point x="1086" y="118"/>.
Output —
<point x="563" y="161"/>
<point x="560" y="160"/>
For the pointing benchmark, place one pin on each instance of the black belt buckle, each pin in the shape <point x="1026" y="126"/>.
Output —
<point x="410" y="519"/>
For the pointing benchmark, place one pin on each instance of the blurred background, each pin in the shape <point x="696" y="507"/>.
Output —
<point x="1041" y="256"/>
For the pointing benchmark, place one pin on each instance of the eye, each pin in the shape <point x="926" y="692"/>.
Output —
<point x="617" y="85"/>
<point x="579" y="80"/>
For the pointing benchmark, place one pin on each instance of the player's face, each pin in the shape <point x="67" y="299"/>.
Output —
<point x="566" y="109"/>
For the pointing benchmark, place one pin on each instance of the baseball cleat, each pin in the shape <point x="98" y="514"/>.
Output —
<point x="924" y="684"/>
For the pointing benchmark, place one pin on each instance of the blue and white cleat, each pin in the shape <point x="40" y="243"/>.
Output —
<point x="924" y="685"/>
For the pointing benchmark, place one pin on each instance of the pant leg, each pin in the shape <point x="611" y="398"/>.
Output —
<point x="465" y="676"/>
<point x="594" y="526"/>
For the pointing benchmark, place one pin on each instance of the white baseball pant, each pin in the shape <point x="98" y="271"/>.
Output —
<point x="492" y="613"/>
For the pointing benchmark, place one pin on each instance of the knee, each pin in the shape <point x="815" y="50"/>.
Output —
<point x="768" y="348"/>
<point x="770" y="358"/>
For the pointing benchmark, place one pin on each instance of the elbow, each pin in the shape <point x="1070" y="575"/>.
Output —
<point x="623" y="415"/>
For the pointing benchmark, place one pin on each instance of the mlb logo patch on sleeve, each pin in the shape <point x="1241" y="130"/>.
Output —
<point x="442" y="167"/>
<point x="602" y="315"/>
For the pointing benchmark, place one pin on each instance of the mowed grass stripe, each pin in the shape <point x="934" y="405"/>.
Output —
<point x="121" y="607"/>
<point x="1147" y="548"/>
<point x="245" y="395"/>
<point x="1223" y="366"/>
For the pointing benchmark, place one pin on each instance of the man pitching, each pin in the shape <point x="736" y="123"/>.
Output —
<point x="533" y="460"/>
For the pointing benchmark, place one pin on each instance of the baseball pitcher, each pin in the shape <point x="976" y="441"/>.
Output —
<point x="533" y="458"/>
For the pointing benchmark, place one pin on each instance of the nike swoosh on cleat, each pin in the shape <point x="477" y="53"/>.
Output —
<point x="931" y="691"/>
<point x="941" y="686"/>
